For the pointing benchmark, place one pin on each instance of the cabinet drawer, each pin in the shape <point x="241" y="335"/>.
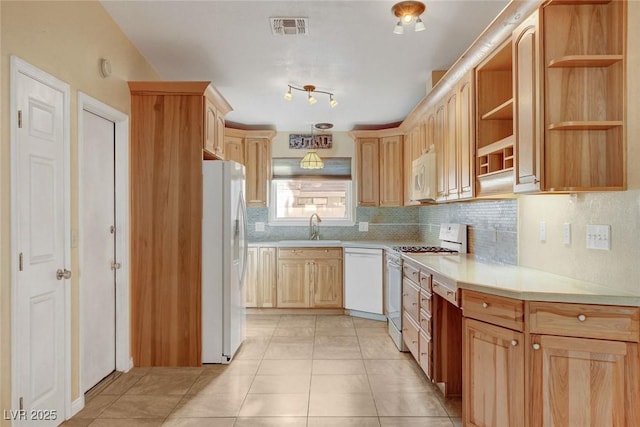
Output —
<point x="425" y="301"/>
<point x="585" y="320"/>
<point x="411" y="272"/>
<point x="445" y="292"/>
<point x="425" y="281"/>
<point x="500" y="311"/>
<point x="410" y="298"/>
<point x="410" y="335"/>
<point x="425" y="322"/>
<point x="425" y="354"/>
<point x="312" y="253"/>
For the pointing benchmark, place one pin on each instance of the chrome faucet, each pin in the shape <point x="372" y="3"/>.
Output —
<point x="314" y="228"/>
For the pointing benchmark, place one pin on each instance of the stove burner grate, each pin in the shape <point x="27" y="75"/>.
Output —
<point x="423" y="249"/>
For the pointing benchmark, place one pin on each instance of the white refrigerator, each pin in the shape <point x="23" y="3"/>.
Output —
<point x="224" y="258"/>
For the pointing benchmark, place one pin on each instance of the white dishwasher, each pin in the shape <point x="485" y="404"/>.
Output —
<point x="363" y="271"/>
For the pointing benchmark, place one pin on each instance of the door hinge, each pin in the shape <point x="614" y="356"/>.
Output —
<point x="20" y="262"/>
<point x="112" y="229"/>
<point x="19" y="119"/>
<point x="21" y="404"/>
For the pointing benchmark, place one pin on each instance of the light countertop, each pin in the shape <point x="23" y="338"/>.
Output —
<point x="521" y="282"/>
<point x="332" y="243"/>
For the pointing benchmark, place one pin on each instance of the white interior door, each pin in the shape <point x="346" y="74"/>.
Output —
<point x="98" y="258"/>
<point x="41" y="239"/>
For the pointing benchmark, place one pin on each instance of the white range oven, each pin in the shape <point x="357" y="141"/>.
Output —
<point x="453" y="240"/>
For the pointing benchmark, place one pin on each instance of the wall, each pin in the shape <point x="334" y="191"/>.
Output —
<point x="618" y="268"/>
<point x="67" y="40"/>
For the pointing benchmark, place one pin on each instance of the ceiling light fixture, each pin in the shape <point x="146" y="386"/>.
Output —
<point x="311" y="90"/>
<point x="407" y="13"/>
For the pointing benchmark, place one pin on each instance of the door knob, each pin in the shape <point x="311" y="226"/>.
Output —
<point x="63" y="274"/>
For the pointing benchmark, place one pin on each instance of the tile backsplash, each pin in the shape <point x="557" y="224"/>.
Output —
<point x="492" y="227"/>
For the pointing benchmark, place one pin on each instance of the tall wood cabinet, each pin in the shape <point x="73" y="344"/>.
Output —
<point x="170" y="124"/>
<point x="367" y="161"/>
<point x="391" y="171"/>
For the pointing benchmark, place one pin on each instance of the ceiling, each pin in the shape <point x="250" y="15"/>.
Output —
<point x="377" y="77"/>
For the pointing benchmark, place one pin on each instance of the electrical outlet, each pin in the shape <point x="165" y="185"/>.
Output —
<point x="566" y="233"/>
<point x="259" y="226"/>
<point x="494" y="235"/>
<point x="543" y="231"/>
<point x="599" y="237"/>
<point x="363" y="226"/>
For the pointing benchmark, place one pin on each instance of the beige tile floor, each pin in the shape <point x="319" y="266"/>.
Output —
<point x="292" y="371"/>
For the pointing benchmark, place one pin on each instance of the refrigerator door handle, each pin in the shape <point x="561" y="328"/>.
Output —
<point x="245" y="227"/>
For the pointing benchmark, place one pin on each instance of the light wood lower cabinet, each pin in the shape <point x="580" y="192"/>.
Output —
<point x="583" y="382"/>
<point x="309" y="278"/>
<point x="493" y="375"/>
<point x="260" y="281"/>
<point x="588" y="377"/>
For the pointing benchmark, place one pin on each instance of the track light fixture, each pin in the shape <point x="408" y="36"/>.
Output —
<point x="408" y="12"/>
<point x="311" y="90"/>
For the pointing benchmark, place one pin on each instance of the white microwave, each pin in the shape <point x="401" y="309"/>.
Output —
<point x="423" y="173"/>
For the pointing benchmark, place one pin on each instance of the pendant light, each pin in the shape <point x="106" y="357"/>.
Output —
<point x="311" y="160"/>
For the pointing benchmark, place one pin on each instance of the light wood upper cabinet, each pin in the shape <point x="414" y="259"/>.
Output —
<point x="494" y="390"/>
<point x="584" y="382"/>
<point x="466" y="137"/>
<point x="258" y="169"/>
<point x="451" y="145"/>
<point x="367" y="163"/>
<point x="391" y="171"/>
<point x="213" y="130"/>
<point x="441" y="152"/>
<point x="584" y="54"/>
<point x="527" y="109"/>
<point x="168" y="133"/>
<point x="494" y="123"/>
<point x="234" y="149"/>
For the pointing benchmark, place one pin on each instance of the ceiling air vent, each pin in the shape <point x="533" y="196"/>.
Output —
<point x="289" y="26"/>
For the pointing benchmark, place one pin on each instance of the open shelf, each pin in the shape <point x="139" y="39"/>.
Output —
<point x="496" y="146"/>
<point x="503" y="111"/>
<point x="586" y="125"/>
<point x="592" y="61"/>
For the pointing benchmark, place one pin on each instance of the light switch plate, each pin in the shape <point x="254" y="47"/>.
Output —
<point x="566" y="233"/>
<point x="259" y="226"/>
<point x="363" y="226"/>
<point x="599" y="237"/>
<point x="543" y="231"/>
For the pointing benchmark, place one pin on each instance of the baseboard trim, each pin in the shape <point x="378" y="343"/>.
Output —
<point x="77" y="405"/>
<point x="367" y="315"/>
<point x="308" y="311"/>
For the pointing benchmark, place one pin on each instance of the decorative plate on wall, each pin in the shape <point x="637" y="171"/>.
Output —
<point x="308" y="141"/>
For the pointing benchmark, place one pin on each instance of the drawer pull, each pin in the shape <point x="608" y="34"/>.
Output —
<point x="536" y="346"/>
<point x="449" y="293"/>
<point x="326" y="250"/>
<point x="405" y="295"/>
<point x="514" y="343"/>
<point x="485" y="305"/>
<point x="414" y="273"/>
<point x="582" y="317"/>
<point x="414" y="303"/>
<point x="414" y="342"/>
<point x="423" y="354"/>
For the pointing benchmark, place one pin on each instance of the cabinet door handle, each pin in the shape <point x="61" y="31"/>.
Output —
<point x="582" y="317"/>
<point x="514" y="343"/>
<point x="414" y="342"/>
<point x="485" y="305"/>
<point x="414" y="303"/>
<point x="536" y="346"/>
